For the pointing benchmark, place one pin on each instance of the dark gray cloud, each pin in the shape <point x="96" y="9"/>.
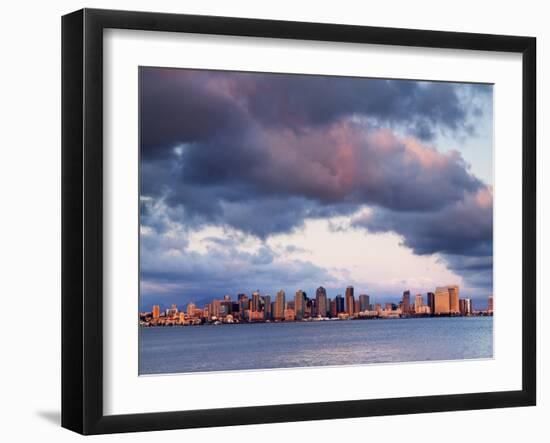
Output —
<point x="269" y="182"/>
<point x="464" y="227"/>
<point x="260" y="153"/>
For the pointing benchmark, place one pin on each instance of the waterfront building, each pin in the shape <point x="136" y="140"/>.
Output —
<point x="156" y="312"/>
<point x="465" y="306"/>
<point x="453" y="299"/>
<point x="350" y="301"/>
<point x="226" y="307"/>
<point x="256" y="303"/>
<point x="244" y="303"/>
<point x="173" y="311"/>
<point x="431" y="302"/>
<point x="216" y="308"/>
<point x="321" y="301"/>
<point x="490" y="304"/>
<point x="191" y="309"/>
<point x="309" y="308"/>
<point x="266" y="299"/>
<point x="418" y="304"/>
<point x="289" y="315"/>
<point x="442" y="301"/>
<point x="279" y="312"/>
<point x="339" y="300"/>
<point x="333" y="308"/>
<point x="235" y="309"/>
<point x="406" y="303"/>
<point x="364" y="302"/>
<point x="299" y="302"/>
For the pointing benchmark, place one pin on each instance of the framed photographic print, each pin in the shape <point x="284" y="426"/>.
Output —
<point x="268" y="221"/>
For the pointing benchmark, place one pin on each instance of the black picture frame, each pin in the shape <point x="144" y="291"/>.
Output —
<point x="82" y="218"/>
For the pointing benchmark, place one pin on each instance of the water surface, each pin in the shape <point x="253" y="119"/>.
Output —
<point x="302" y="344"/>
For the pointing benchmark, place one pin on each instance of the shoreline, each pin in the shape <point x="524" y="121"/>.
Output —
<point x="171" y="324"/>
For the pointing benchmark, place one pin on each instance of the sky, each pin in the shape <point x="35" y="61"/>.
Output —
<point x="259" y="181"/>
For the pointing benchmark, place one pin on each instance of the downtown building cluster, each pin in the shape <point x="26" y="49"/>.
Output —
<point x="445" y="301"/>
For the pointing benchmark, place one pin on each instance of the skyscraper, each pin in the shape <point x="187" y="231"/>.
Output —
<point x="465" y="305"/>
<point x="173" y="311"/>
<point x="156" y="312"/>
<point x="244" y="304"/>
<point x="339" y="300"/>
<point x="350" y="300"/>
<point x="256" y="303"/>
<point x="418" y="303"/>
<point x="321" y="301"/>
<point x="333" y="308"/>
<point x="216" y="308"/>
<point x="454" y="308"/>
<point x="442" y="301"/>
<point x="280" y="301"/>
<point x="431" y="302"/>
<point x="191" y="309"/>
<point x="364" y="302"/>
<point x="490" y="304"/>
<point x="266" y="299"/>
<point x="299" y="301"/>
<point x="406" y="302"/>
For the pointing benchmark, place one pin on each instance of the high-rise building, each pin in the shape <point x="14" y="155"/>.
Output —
<point x="191" y="309"/>
<point x="350" y="300"/>
<point x="321" y="301"/>
<point x="465" y="306"/>
<point x="309" y="308"/>
<point x="339" y="300"/>
<point x="490" y="304"/>
<point x="454" y="308"/>
<point x="256" y="302"/>
<point x="418" y="303"/>
<point x="279" y="313"/>
<point x="299" y="304"/>
<point x="442" y="301"/>
<point x="333" y="308"/>
<point x="173" y="311"/>
<point x="364" y="302"/>
<point x="226" y="297"/>
<point x="156" y="312"/>
<point x="235" y="309"/>
<point x="216" y="308"/>
<point x="244" y="303"/>
<point x="406" y="308"/>
<point x="431" y="302"/>
<point x="226" y="307"/>
<point x="266" y="299"/>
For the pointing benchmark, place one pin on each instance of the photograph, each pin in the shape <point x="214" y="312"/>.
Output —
<point x="291" y="220"/>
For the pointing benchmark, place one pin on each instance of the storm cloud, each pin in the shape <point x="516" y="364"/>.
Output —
<point x="262" y="153"/>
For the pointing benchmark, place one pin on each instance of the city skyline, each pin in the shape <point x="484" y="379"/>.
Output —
<point x="258" y="307"/>
<point x="279" y="180"/>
